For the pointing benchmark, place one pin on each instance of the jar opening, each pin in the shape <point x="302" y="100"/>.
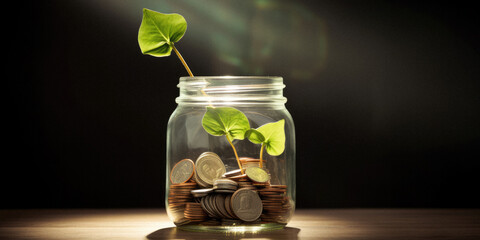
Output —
<point x="238" y="89"/>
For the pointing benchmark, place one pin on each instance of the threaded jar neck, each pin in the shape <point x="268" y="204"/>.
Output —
<point x="231" y="90"/>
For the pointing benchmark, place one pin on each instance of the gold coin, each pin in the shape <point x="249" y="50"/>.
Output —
<point x="257" y="174"/>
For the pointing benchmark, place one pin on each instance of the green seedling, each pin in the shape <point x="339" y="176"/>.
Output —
<point x="157" y="36"/>
<point x="271" y="136"/>
<point x="158" y="32"/>
<point x="228" y="122"/>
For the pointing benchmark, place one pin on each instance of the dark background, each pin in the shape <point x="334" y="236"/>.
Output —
<point x="384" y="94"/>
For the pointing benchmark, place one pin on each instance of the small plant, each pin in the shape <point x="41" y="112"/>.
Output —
<point x="228" y="122"/>
<point x="158" y="32"/>
<point x="271" y="136"/>
<point x="157" y="36"/>
<point x="233" y="124"/>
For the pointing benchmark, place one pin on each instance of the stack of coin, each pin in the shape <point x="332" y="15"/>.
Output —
<point x="216" y="206"/>
<point x="209" y="166"/>
<point x="178" y="196"/>
<point x="240" y="177"/>
<point x="194" y="212"/>
<point x="246" y="183"/>
<point x="250" y="162"/>
<point x="275" y="203"/>
<point x="224" y="186"/>
<point x="242" y="180"/>
<point x="203" y="192"/>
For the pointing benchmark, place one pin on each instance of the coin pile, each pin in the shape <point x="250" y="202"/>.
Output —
<point x="242" y="180"/>
<point x="203" y="192"/>
<point x="245" y="183"/>
<point x="217" y="206"/>
<point x="276" y="205"/>
<point x="250" y="162"/>
<point x="225" y="186"/>
<point x="178" y="196"/>
<point x="194" y="212"/>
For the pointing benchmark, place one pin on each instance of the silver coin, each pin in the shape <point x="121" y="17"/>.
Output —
<point x="224" y="191"/>
<point x="205" y="207"/>
<point x="228" y="206"/>
<point x="246" y="204"/>
<point x="209" y="166"/>
<point x="220" y="205"/>
<point x="213" y="206"/>
<point x="200" y="182"/>
<point x="201" y="192"/>
<point x="225" y="182"/>
<point x="232" y="173"/>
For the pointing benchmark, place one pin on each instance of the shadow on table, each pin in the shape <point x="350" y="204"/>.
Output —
<point x="175" y="233"/>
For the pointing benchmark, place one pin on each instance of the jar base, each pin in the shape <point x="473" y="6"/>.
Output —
<point x="233" y="229"/>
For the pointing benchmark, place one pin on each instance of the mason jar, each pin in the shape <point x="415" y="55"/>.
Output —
<point x="230" y="155"/>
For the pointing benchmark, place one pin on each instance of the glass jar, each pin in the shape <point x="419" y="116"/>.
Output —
<point x="223" y="123"/>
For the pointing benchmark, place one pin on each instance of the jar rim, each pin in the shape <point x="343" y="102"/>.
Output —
<point x="251" y="89"/>
<point x="230" y="77"/>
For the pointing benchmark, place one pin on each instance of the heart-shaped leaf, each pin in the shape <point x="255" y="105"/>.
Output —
<point x="274" y="137"/>
<point x="225" y="121"/>
<point x="254" y="136"/>
<point x="159" y="31"/>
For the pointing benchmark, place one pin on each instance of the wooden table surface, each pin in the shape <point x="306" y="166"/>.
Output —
<point x="306" y="224"/>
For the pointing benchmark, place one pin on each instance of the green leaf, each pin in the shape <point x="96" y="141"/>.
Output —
<point x="255" y="136"/>
<point x="225" y="121"/>
<point x="274" y="134"/>
<point x="159" y="31"/>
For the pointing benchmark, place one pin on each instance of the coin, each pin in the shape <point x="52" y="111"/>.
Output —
<point x="232" y="173"/>
<point x="228" y="206"/>
<point x="178" y="196"/>
<point x="220" y="185"/>
<point x="209" y="166"/>
<point x="257" y="174"/>
<point x="205" y="208"/>
<point x="194" y="212"/>
<point x="238" y="177"/>
<point x="201" y="192"/>
<point x="246" y="204"/>
<point x="182" y="171"/>
<point x="200" y="182"/>
<point x="249" y="159"/>
<point x="210" y="203"/>
<point x="276" y="205"/>
<point x="220" y="205"/>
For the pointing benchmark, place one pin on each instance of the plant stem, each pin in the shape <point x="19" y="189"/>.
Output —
<point x="261" y="154"/>
<point x="188" y="69"/>
<point x="236" y="155"/>
<point x="182" y="60"/>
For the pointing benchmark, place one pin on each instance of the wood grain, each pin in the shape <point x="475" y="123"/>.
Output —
<point x="306" y="224"/>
